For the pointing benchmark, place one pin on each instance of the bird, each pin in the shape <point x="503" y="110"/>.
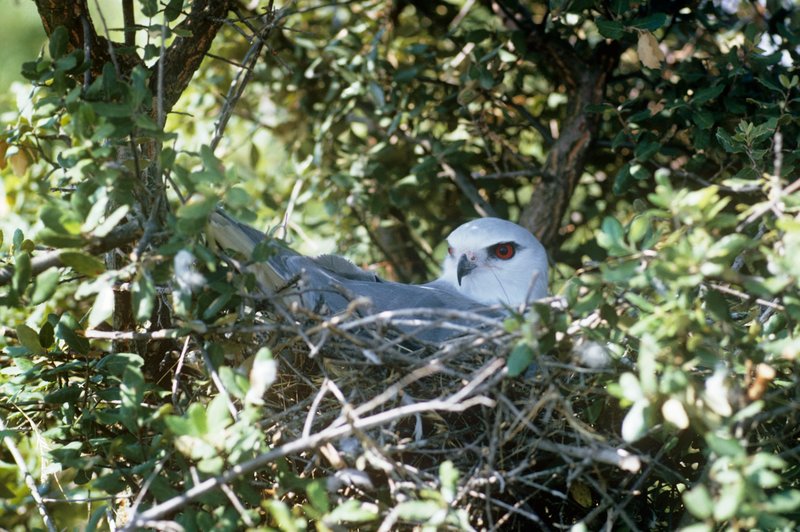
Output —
<point x="492" y="265"/>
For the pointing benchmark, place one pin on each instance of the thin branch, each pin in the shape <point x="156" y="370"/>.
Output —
<point x="296" y="446"/>
<point x="466" y="186"/>
<point x="129" y="23"/>
<point x="29" y="480"/>
<point x="120" y="236"/>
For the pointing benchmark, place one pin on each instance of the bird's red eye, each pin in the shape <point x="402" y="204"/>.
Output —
<point x="504" y="250"/>
<point x="450" y="251"/>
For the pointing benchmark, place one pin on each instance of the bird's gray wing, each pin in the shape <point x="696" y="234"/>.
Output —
<point x="329" y="283"/>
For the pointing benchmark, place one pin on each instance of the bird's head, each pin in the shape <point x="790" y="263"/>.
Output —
<point x="495" y="261"/>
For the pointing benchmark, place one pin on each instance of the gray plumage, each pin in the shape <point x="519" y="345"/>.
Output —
<point x="471" y="281"/>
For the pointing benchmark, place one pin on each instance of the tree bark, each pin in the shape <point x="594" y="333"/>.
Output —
<point x="168" y="78"/>
<point x="182" y="58"/>
<point x="567" y="156"/>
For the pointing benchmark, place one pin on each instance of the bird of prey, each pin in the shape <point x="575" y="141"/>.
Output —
<point x="489" y="262"/>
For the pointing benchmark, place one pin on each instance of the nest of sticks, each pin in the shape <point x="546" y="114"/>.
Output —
<point x="377" y="413"/>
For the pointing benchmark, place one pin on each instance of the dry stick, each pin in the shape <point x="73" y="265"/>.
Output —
<point x="776" y="193"/>
<point x="608" y="455"/>
<point x="29" y="481"/>
<point x="462" y="181"/>
<point x="176" y="378"/>
<point x="513" y="509"/>
<point x="161" y="334"/>
<point x="313" y="408"/>
<point x="217" y="380"/>
<point x="747" y="297"/>
<point x="237" y="504"/>
<point x="296" y="446"/>
<point x="146" y="486"/>
<point x="244" y="76"/>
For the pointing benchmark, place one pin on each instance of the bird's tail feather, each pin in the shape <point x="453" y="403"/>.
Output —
<point x="226" y="233"/>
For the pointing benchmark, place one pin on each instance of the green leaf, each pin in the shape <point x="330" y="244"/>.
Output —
<point x="448" y="476"/>
<point x="726" y="141"/>
<point x="103" y="306"/>
<point x="173" y="9"/>
<point x="216" y="305"/>
<point x="353" y="511"/>
<point x="651" y="22"/>
<point x="83" y="263"/>
<point x="51" y="238"/>
<point x="611" y="237"/>
<point x="724" y="446"/>
<point x="22" y="272"/>
<point x="639" y="227"/>
<point x="708" y="93"/>
<point x="717" y="305"/>
<point x="143" y="296"/>
<point x="783" y="502"/>
<point x="149" y="7"/>
<point x="729" y="500"/>
<point x="703" y="119"/>
<point x="646" y="149"/>
<point x="404" y="75"/>
<point x="318" y="496"/>
<point x="59" y="40"/>
<point x="728" y="246"/>
<point x="111" y="483"/>
<point x="636" y="422"/>
<point x="698" y="502"/>
<point x="67" y="333"/>
<point x="620" y="7"/>
<point x="623" y="179"/>
<point x="196" y="207"/>
<point x="29" y="339"/>
<point x="45" y="285"/>
<point x="17" y="238"/>
<point x="236" y="383"/>
<point x="67" y="394"/>
<point x="610" y="29"/>
<point x="283" y="517"/>
<point x="218" y="417"/>
<point x="619" y="273"/>
<point x="417" y="511"/>
<point x="131" y="393"/>
<point x="47" y="335"/>
<point x="96" y="518"/>
<point x="519" y="359"/>
<point x="57" y="219"/>
<point x="111" y="221"/>
<point x="198" y="419"/>
<point x="211" y="466"/>
<point x="630" y="387"/>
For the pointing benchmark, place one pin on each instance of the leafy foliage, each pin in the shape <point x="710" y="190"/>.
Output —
<point x="140" y="363"/>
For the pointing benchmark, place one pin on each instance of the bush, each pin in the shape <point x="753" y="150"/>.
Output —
<point x="150" y="381"/>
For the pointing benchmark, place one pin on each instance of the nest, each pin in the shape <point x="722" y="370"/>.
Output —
<point x="377" y="412"/>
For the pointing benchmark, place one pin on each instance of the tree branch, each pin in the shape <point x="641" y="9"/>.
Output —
<point x="185" y="54"/>
<point x="55" y="13"/>
<point x="44" y="261"/>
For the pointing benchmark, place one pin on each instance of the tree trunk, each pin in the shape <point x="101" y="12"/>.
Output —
<point x="168" y="78"/>
<point x="585" y="79"/>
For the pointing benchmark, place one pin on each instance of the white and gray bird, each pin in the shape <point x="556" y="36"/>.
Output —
<point x="490" y="262"/>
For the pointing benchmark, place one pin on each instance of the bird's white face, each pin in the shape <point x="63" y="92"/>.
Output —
<point x="493" y="261"/>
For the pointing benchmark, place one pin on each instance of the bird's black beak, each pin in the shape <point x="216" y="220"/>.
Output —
<point x="464" y="267"/>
